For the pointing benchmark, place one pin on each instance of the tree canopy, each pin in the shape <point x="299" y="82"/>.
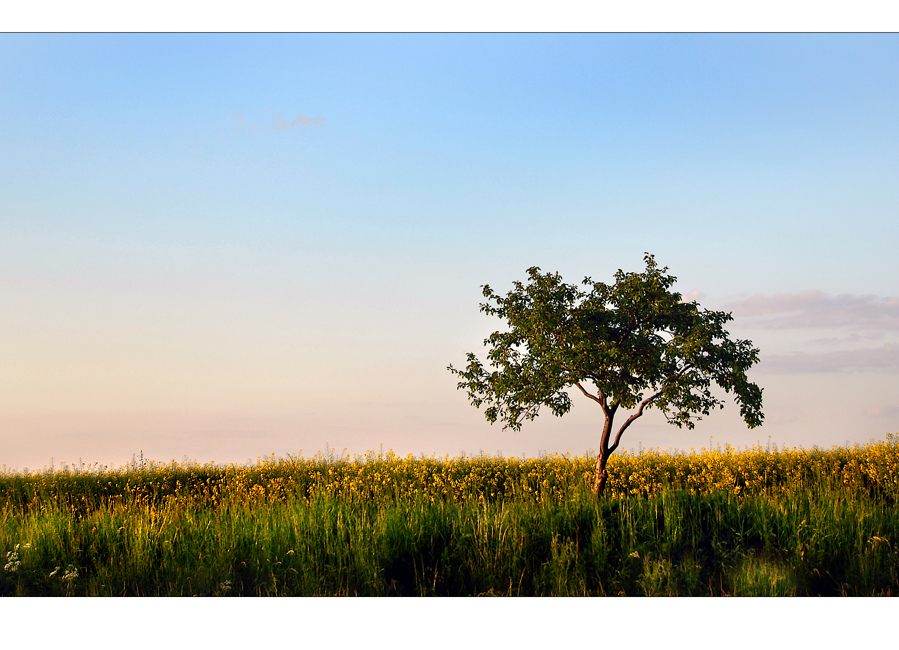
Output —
<point x="632" y="345"/>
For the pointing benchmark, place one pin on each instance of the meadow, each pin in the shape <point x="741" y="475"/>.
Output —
<point x="763" y="521"/>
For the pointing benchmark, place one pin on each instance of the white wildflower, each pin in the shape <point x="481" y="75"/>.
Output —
<point x="12" y="558"/>
<point x="12" y="561"/>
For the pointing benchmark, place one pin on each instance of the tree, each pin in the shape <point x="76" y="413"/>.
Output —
<point x="632" y="345"/>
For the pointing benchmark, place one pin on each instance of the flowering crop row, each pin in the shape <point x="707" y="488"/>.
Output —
<point x="871" y="470"/>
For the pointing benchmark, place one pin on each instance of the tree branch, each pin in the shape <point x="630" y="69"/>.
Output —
<point x="627" y="422"/>
<point x="593" y="397"/>
<point x="601" y="400"/>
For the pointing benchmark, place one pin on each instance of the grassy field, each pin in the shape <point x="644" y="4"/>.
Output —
<point x="759" y="522"/>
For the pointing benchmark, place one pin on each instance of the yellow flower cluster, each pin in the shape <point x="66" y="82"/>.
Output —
<point x="871" y="469"/>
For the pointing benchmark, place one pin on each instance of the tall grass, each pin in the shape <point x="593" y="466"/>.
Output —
<point x="759" y="522"/>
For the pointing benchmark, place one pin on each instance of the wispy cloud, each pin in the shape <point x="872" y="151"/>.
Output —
<point x="815" y="309"/>
<point x="882" y="359"/>
<point x="883" y="411"/>
<point x="241" y="124"/>
<point x="855" y="337"/>
<point x="694" y="295"/>
<point x="280" y="124"/>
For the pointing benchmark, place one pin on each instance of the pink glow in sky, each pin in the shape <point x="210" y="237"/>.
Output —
<point x="225" y="246"/>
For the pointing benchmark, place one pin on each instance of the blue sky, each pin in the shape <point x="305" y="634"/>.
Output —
<point x="223" y="246"/>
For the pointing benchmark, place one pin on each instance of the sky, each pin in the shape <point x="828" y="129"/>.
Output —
<point x="220" y="247"/>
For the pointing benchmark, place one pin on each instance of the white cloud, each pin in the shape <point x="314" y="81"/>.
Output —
<point x="815" y="309"/>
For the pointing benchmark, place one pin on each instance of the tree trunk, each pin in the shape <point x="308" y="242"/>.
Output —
<point x="600" y="478"/>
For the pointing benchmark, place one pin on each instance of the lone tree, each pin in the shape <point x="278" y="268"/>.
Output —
<point x="638" y="344"/>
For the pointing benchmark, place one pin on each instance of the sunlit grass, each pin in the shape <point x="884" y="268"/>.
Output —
<point x="758" y="522"/>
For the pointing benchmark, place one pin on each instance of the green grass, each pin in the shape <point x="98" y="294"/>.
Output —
<point x="757" y="523"/>
<point x="673" y="544"/>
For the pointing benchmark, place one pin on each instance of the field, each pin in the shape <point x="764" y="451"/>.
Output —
<point x="758" y="522"/>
